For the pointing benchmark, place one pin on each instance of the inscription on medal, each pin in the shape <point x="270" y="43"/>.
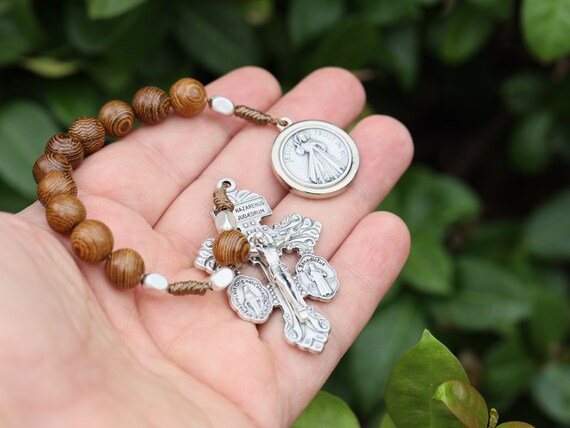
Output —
<point x="252" y="209"/>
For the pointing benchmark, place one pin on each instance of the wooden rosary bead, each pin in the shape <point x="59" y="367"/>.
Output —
<point x="64" y="212"/>
<point x="188" y="97"/>
<point x="90" y="132"/>
<point x="151" y="105"/>
<point x="92" y="241"/>
<point x="231" y="248"/>
<point x="49" y="162"/>
<point x="124" y="268"/>
<point x="55" y="183"/>
<point x="117" y="117"/>
<point x="67" y="145"/>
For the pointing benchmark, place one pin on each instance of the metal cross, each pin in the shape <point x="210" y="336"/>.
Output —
<point x="314" y="277"/>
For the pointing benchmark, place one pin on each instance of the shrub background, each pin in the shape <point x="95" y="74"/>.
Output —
<point x="484" y="87"/>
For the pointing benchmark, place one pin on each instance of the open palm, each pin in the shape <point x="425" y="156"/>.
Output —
<point x="76" y="352"/>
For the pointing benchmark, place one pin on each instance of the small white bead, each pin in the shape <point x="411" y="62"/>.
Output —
<point x="155" y="281"/>
<point x="222" y="105"/>
<point x="225" y="220"/>
<point x="221" y="279"/>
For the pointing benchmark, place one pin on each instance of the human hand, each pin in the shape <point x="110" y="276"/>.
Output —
<point x="74" y="351"/>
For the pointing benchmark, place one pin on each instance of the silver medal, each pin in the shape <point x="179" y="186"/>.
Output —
<point x="313" y="276"/>
<point x="315" y="159"/>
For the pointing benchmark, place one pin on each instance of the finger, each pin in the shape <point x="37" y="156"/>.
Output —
<point x="329" y="94"/>
<point x="367" y="264"/>
<point x="147" y="170"/>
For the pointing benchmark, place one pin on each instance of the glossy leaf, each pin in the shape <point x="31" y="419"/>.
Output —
<point x="392" y="331"/>
<point x="464" y="402"/>
<point x="326" y="410"/>
<point x="487" y="298"/>
<point x="110" y="8"/>
<point x="500" y="9"/>
<point x="51" y="67"/>
<point x="352" y="45"/>
<point x="430" y="203"/>
<point x="309" y="19"/>
<point x="529" y="146"/>
<point x="389" y="12"/>
<point x="429" y="267"/>
<point x="464" y="33"/>
<point x="508" y="369"/>
<point x="387" y="422"/>
<point x="413" y="381"/>
<point x="72" y="99"/>
<point x="11" y="200"/>
<point x="515" y="425"/>
<point x="545" y="26"/>
<point x="547" y="232"/>
<point x="551" y="391"/>
<point x="525" y="92"/>
<point x="91" y="36"/>
<point x="22" y="144"/>
<point x="216" y="35"/>
<point x="402" y="47"/>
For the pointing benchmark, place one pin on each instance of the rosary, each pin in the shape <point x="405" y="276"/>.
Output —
<point x="312" y="158"/>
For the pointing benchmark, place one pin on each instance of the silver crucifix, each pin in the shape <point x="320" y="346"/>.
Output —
<point x="314" y="277"/>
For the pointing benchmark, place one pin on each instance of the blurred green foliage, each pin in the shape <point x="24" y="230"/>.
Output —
<point x="483" y="85"/>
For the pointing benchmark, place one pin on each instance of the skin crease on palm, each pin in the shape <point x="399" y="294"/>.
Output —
<point x="76" y="352"/>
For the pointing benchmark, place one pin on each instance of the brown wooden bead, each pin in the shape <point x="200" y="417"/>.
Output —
<point x="188" y="97"/>
<point x="90" y="132"/>
<point x="55" y="183"/>
<point x="67" y="145"/>
<point x="231" y="248"/>
<point x="117" y="117"/>
<point x="92" y="240"/>
<point x="124" y="268"/>
<point x="50" y="162"/>
<point x="64" y="212"/>
<point x="151" y="105"/>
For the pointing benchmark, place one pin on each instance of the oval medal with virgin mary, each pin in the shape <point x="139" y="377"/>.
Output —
<point x="315" y="159"/>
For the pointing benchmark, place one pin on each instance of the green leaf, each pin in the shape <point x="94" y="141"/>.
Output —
<point x="92" y="37"/>
<point x="515" y="425"/>
<point x="22" y="144"/>
<point x="352" y="45"/>
<point x="500" y="9"/>
<point x="551" y="391"/>
<point x="429" y="268"/>
<point x="387" y="422"/>
<point x="327" y="410"/>
<point x="309" y="19"/>
<point x="51" y="67"/>
<point x="412" y="384"/>
<point x="402" y="53"/>
<point x="216" y="35"/>
<point x="431" y="203"/>
<point x="529" y="146"/>
<point x="547" y="232"/>
<point x="525" y="91"/>
<point x="465" y="31"/>
<point x="464" y="402"/>
<point x="72" y="98"/>
<point x="496" y="240"/>
<point x="11" y="200"/>
<point x="508" y="370"/>
<point x="20" y="31"/>
<point x="548" y="322"/>
<point x="391" y="332"/>
<point x="488" y="297"/>
<point x="98" y="9"/>
<point x="389" y="12"/>
<point x="545" y="26"/>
